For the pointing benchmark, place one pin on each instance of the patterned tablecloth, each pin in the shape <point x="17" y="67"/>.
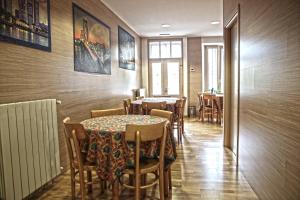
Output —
<point x="136" y="105"/>
<point x="107" y="145"/>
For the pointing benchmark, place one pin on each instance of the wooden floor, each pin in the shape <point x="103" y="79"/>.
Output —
<point x="203" y="170"/>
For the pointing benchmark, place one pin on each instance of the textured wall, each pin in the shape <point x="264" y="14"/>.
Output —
<point x="269" y="95"/>
<point x="29" y="74"/>
<point x="195" y="62"/>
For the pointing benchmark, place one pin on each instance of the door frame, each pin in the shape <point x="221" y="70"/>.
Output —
<point x="162" y="60"/>
<point x="227" y="87"/>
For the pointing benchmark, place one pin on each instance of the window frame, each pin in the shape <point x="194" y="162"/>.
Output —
<point x="205" y="48"/>
<point x="165" y="40"/>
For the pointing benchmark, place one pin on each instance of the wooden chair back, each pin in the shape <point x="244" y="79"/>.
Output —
<point x="162" y="113"/>
<point x="107" y="112"/>
<point x="207" y="100"/>
<point x="75" y="136"/>
<point x="126" y="104"/>
<point x="147" y="132"/>
<point x="148" y="106"/>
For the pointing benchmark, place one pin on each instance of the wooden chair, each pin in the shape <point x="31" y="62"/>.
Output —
<point x="148" y="106"/>
<point x="184" y="103"/>
<point x="218" y="108"/>
<point x="127" y="106"/>
<point x="75" y="136"/>
<point x="200" y="106"/>
<point x="206" y="106"/>
<point x="107" y="112"/>
<point x="167" y="175"/>
<point x="146" y="133"/>
<point x="178" y="119"/>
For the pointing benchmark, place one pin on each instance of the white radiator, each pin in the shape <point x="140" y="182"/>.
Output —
<point x="29" y="152"/>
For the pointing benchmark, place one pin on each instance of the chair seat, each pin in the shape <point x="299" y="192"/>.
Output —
<point x="146" y="166"/>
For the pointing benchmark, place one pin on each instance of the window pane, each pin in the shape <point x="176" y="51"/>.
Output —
<point x="176" y="49"/>
<point x="165" y="49"/>
<point x="154" y="49"/>
<point x="212" y="68"/>
<point x="156" y="78"/>
<point x="173" y="78"/>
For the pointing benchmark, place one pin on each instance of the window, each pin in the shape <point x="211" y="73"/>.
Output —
<point x="213" y="76"/>
<point x="154" y="49"/>
<point x="176" y="49"/>
<point x="156" y="79"/>
<point x="165" y="49"/>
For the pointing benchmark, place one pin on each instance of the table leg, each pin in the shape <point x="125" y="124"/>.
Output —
<point x="166" y="182"/>
<point x="89" y="178"/>
<point x="115" y="190"/>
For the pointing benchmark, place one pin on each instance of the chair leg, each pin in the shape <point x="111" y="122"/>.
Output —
<point x="89" y="179"/>
<point x="161" y="183"/>
<point x="166" y="182"/>
<point x="144" y="182"/>
<point x="82" y="185"/>
<point x="73" y="183"/>
<point x="170" y="178"/>
<point x="137" y="187"/>
<point x="182" y="125"/>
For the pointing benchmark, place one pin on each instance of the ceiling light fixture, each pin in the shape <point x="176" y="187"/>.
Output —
<point x="215" y="22"/>
<point x="165" y="25"/>
<point x="164" y="34"/>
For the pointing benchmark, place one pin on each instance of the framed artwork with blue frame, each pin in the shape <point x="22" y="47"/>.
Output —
<point x="26" y="22"/>
<point x="126" y="49"/>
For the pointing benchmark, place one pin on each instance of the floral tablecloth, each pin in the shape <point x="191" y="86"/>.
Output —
<point x="107" y="145"/>
<point x="136" y="105"/>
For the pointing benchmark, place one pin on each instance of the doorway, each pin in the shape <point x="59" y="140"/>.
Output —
<point x="232" y="82"/>
<point x="165" y="77"/>
<point x="165" y="67"/>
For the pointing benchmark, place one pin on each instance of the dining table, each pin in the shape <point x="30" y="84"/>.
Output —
<point x="107" y="147"/>
<point x="136" y="105"/>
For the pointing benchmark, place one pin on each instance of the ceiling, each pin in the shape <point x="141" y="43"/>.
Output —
<point x="186" y="17"/>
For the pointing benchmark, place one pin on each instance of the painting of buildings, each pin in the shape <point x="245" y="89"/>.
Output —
<point x="126" y="50"/>
<point x="26" y="22"/>
<point x="91" y="43"/>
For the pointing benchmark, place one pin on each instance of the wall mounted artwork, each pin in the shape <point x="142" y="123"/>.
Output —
<point x="26" y="22"/>
<point x="92" y="52"/>
<point x="126" y="49"/>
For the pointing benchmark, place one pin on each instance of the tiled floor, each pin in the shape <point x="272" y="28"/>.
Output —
<point x="203" y="170"/>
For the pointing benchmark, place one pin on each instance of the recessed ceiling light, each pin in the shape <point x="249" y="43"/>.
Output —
<point x="215" y="22"/>
<point x="164" y="34"/>
<point x="165" y="25"/>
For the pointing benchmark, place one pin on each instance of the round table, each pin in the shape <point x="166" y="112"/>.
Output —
<point x="117" y="123"/>
<point x="171" y="101"/>
<point x="108" y="148"/>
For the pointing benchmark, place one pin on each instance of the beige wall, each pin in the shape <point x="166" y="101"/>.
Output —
<point x="195" y="69"/>
<point x="269" y="131"/>
<point x="29" y="74"/>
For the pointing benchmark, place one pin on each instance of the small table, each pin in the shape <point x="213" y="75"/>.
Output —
<point x="171" y="101"/>
<point x="107" y="145"/>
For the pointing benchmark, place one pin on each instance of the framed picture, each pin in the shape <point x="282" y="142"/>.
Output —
<point x="91" y="43"/>
<point x="26" y="22"/>
<point x="126" y="49"/>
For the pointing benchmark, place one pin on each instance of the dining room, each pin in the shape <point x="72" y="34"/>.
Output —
<point x="108" y="99"/>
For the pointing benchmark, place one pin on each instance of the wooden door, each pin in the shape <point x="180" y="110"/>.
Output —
<point x="234" y="108"/>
